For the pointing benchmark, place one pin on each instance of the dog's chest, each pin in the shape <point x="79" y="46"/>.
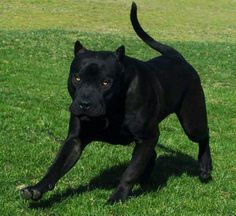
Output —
<point x="114" y="131"/>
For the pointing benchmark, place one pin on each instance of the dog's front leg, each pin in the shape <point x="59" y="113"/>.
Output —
<point x="142" y="153"/>
<point x="67" y="156"/>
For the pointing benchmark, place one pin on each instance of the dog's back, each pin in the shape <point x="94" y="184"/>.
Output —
<point x="174" y="73"/>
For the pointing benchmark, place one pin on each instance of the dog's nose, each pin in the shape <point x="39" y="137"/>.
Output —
<point x="85" y="105"/>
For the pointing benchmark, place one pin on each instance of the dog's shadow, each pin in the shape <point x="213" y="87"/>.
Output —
<point x="172" y="163"/>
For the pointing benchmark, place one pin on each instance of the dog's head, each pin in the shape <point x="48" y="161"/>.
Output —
<point x="94" y="80"/>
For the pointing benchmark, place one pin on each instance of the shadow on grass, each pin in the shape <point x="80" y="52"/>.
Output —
<point x="173" y="163"/>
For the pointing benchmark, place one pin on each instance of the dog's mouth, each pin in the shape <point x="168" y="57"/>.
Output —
<point x="102" y="121"/>
<point x="85" y="118"/>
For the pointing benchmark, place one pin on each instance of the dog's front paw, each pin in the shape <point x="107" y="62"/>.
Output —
<point x="120" y="195"/>
<point x="205" y="176"/>
<point x="30" y="192"/>
<point x="205" y="170"/>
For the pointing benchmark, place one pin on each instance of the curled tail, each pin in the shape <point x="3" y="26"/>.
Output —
<point x="163" y="49"/>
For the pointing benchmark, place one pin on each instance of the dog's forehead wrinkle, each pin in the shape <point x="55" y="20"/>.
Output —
<point x="99" y="67"/>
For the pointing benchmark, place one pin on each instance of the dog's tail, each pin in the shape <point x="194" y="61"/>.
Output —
<point x="163" y="49"/>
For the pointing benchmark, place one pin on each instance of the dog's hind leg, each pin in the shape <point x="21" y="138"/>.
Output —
<point x="193" y="118"/>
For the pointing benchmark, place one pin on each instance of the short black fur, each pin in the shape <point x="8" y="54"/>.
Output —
<point x="119" y="100"/>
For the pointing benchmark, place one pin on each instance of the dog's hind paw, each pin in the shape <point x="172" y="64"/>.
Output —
<point x="30" y="193"/>
<point x="120" y="195"/>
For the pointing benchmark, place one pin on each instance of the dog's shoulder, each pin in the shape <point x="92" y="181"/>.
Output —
<point x="143" y="85"/>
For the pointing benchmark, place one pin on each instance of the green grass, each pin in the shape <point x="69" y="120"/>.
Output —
<point x="173" y="20"/>
<point x="35" y="56"/>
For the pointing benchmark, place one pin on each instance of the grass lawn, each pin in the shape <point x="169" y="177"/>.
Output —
<point x="36" y="45"/>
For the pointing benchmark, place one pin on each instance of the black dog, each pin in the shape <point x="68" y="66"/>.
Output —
<point x="118" y="99"/>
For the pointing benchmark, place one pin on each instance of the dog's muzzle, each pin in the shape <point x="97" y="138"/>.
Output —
<point x="86" y="108"/>
<point x="85" y="105"/>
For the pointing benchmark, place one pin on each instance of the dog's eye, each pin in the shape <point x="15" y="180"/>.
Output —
<point x="105" y="83"/>
<point x="77" y="78"/>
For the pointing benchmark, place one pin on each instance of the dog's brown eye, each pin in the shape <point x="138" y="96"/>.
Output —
<point x="77" y="78"/>
<point x="105" y="83"/>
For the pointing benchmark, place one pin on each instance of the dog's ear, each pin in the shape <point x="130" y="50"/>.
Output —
<point x="120" y="53"/>
<point x="78" y="47"/>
